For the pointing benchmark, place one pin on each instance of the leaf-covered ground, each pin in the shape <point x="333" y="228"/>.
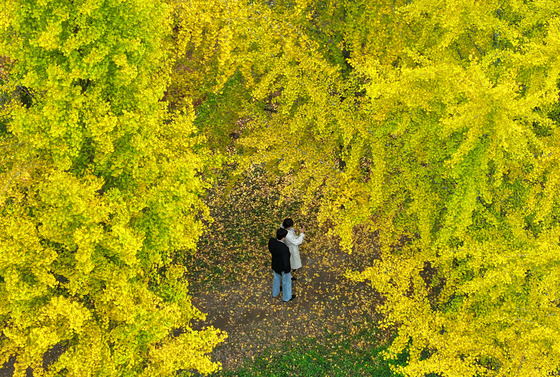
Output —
<point x="232" y="280"/>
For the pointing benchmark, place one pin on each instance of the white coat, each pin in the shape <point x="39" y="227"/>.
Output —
<point x="293" y="242"/>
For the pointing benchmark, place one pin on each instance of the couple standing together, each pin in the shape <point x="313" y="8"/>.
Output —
<point x="285" y="258"/>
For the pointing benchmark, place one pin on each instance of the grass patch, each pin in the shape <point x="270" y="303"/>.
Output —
<point x="335" y="355"/>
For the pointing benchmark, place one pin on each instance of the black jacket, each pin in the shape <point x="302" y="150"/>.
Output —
<point x="280" y="256"/>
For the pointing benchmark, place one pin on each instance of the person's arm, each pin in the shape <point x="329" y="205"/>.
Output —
<point x="291" y="238"/>
<point x="286" y="259"/>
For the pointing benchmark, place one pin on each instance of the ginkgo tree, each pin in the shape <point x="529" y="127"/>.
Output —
<point x="100" y="190"/>
<point x="435" y="124"/>
<point x="465" y="125"/>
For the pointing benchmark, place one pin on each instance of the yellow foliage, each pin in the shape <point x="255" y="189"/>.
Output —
<point x="101" y="191"/>
<point x="429" y="122"/>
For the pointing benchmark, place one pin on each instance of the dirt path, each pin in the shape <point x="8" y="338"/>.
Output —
<point x="254" y="319"/>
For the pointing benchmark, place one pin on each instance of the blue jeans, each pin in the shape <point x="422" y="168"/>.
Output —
<point x="286" y="285"/>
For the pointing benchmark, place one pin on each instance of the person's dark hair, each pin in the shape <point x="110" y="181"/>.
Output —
<point x="281" y="233"/>
<point x="288" y="223"/>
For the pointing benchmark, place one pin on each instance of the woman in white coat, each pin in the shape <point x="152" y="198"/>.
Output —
<point x="293" y="242"/>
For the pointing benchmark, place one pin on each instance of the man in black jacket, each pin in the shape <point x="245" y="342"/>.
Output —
<point x="281" y="265"/>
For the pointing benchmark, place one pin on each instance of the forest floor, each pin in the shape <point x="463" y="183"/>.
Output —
<point x="255" y="321"/>
<point x="231" y="278"/>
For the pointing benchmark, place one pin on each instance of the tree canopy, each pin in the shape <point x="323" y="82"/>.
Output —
<point x="101" y="189"/>
<point x="436" y="125"/>
<point x="432" y="123"/>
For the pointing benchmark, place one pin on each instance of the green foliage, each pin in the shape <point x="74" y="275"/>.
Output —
<point x="220" y="116"/>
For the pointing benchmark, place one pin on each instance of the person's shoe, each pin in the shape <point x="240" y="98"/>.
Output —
<point x="294" y="278"/>
<point x="293" y="296"/>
